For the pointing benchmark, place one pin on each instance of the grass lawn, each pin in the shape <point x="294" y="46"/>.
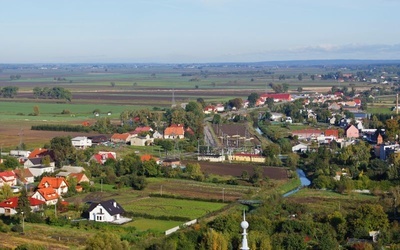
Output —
<point x="172" y="207"/>
<point x="142" y="224"/>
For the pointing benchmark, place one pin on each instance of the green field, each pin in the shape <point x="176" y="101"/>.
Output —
<point x="173" y="207"/>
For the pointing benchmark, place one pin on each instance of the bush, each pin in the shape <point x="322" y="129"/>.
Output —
<point x="65" y="112"/>
<point x="17" y="228"/>
<point x="35" y="218"/>
<point x="30" y="247"/>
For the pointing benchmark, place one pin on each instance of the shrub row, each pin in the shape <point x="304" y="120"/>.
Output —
<point x="65" y="128"/>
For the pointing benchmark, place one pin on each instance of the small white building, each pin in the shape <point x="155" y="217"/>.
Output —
<point x="39" y="170"/>
<point x="105" y="211"/>
<point x="20" y="153"/>
<point x="81" y="142"/>
<point x="301" y="147"/>
<point x="142" y="141"/>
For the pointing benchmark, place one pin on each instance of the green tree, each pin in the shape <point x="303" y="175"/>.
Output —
<point x="9" y="91"/>
<point x="62" y="149"/>
<point x="37" y="92"/>
<point x="112" y="84"/>
<point x="367" y="217"/>
<point x="236" y="103"/>
<point x="6" y="191"/>
<point x="23" y="203"/>
<point x="252" y="98"/>
<point x="10" y="162"/>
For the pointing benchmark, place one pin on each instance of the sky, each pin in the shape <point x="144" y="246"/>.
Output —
<point x="197" y="31"/>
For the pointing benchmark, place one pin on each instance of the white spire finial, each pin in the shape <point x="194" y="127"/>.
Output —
<point x="244" y="226"/>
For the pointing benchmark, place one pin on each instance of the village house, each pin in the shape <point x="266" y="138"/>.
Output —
<point x="171" y="163"/>
<point x="280" y="97"/>
<point x="48" y="195"/>
<point x="24" y="176"/>
<point x="247" y="157"/>
<point x="98" y="139"/>
<point x="9" y="207"/>
<point x="59" y="184"/>
<point x="105" y="211"/>
<point x="36" y="162"/>
<point x="80" y="177"/>
<point x="307" y="134"/>
<point x="175" y="131"/>
<point x="81" y="142"/>
<point x="209" y="109"/>
<point x="142" y="140"/>
<point x="300" y="148"/>
<point x="351" y="131"/>
<point x="8" y="178"/>
<point x="139" y="130"/>
<point x="103" y="156"/>
<point x="211" y="158"/>
<point x="121" y="138"/>
<point x="148" y="157"/>
<point x="40" y="170"/>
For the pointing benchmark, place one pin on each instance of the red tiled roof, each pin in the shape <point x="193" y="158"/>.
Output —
<point x="139" y="130"/>
<point x="280" y="96"/>
<point x="174" y="129"/>
<point x="48" y="193"/>
<point x="13" y="202"/>
<point x="78" y="176"/>
<point x="146" y="157"/>
<point x="357" y="101"/>
<point x="123" y="136"/>
<point x="37" y="152"/>
<point x="332" y="132"/>
<point x="53" y="182"/>
<point x="9" y="174"/>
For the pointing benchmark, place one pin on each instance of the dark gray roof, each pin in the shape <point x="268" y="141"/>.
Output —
<point x="111" y="206"/>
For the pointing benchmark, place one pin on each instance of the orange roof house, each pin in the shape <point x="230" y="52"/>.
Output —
<point x="38" y="152"/>
<point x="48" y="195"/>
<point x="121" y="138"/>
<point x="332" y="132"/>
<point x="59" y="184"/>
<point x="148" y="158"/>
<point x="175" y="131"/>
<point x="80" y="177"/>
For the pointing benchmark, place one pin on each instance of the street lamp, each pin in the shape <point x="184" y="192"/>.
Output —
<point x="23" y="225"/>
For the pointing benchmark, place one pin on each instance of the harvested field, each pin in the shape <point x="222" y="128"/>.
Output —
<point x="236" y="169"/>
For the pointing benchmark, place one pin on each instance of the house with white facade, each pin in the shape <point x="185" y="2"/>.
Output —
<point x="142" y="140"/>
<point x="8" y="177"/>
<point x="9" y="207"/>
<point x="57" y="183"/>
<point x="39" y="170"/>
<point x="48" y="195"/>
<point x="81" y="142"/>
<point x="105" y="211"/>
